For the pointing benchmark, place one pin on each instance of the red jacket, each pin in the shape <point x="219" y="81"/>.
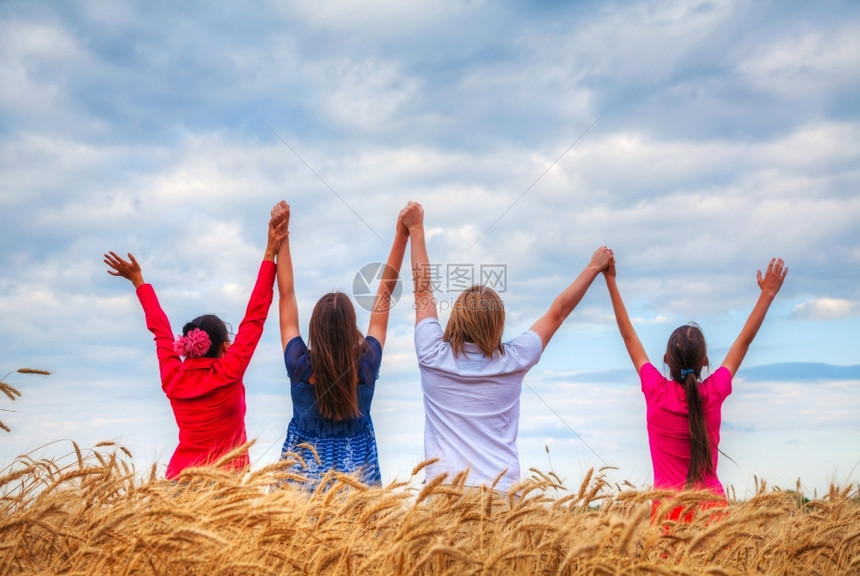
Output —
<point x="207" y="394"/>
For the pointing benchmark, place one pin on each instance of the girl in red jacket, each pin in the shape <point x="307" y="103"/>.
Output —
<point x="205" y="389"/>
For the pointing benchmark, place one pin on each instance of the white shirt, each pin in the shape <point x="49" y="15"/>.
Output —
<point x="472" y="405"/>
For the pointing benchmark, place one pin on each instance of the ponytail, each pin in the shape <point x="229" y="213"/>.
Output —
<point x="686" y="353"/>
<point x="701" y="463"/>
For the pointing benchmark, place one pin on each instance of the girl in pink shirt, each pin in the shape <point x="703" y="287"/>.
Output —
<point x="683" y="413"/>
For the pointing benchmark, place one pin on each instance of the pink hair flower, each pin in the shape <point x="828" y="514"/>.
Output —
<point x="195" y="344"/>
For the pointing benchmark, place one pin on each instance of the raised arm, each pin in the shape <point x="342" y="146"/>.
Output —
<point x="425" y="304"/>
<point x="156" y="320"/>
<point x="278" y="231"/>
<point x="237" y="356"/>
<point x="288" y="309"/>
<point x="625" y="326"/>
<point x="382" y="303"/>
<point x="770" y="285"/>
<point x="547" y="325"/>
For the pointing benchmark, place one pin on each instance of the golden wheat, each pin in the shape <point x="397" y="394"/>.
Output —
<point x="11" y="392"/>
<point x="91" y="513"/>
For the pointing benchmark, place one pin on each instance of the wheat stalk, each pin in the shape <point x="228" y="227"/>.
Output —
<point x="92" y="513"/>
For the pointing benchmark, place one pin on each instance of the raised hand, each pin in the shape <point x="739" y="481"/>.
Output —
<point x="128" y="269"/>
<point x="280" y="212"/>
<point x="412" y="216"/>
<point x="400" y="227"/>
<point x="773" y="277"/>
<point x="602" y="259"/>
<point x="279" y="222"/>
<point x="609" y="271"/>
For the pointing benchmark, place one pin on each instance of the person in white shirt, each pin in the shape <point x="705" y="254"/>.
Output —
<point x="471" y="380"/>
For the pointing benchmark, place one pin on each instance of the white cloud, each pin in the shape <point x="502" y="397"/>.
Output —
<point x="641" y="42"/>
<point x="369" y="94"/>
<point x="34" y="67"/>
<point x="826" y="309"/>
<point x="807" y="64"/>
<point x="376" y="17"/>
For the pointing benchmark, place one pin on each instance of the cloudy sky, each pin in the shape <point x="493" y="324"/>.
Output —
<point x="696" y="139"/>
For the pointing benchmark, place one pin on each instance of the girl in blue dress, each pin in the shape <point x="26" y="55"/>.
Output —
<point x="332" y="377"/>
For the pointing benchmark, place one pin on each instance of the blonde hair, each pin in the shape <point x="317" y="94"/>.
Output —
<point x="478" y="316"/>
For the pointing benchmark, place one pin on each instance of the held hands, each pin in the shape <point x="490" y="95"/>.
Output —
<point x="609" y="271"/>
<point x="281" y="212"/>
<point x="128" y="269"/>
<point x="400" y="227"/>
<point x="278" y="228"/>
<point x="602" y="260"/>
<point x="411" y="217"/>
<point x="773" y="277"/>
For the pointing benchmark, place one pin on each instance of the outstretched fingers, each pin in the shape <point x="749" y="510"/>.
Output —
<point x="279" y="231"/>
<point x="773" y="276"/>
<point x="120" y="267"/>
<point x="112" y="260"/>
<point x="128" y="269"/>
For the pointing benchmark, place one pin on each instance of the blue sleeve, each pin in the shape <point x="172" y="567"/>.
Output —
<point x="370" y="361"/>
<point x="296" y="360"/>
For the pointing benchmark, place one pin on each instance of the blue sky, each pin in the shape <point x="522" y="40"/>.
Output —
<point x="696" y="139"/>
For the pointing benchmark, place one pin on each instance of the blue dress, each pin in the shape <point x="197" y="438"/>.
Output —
<point x="347" y="445"/>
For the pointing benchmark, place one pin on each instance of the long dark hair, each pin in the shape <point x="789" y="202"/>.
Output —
<point x="686" y="354"/>
<point x="214" y="327"/>
<point x="335" y="347"/>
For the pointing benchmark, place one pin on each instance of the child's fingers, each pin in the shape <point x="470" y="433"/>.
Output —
<point x="776" y="267"/>
<point x="280" y="230"/>
<point x="112" y="260"/>
<point x="781" y="271"/>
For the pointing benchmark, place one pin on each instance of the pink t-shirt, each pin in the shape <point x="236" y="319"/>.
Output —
<point x="669" y="429"/>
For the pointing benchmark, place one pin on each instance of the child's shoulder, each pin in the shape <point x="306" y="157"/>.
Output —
<point x="651" y="380"/>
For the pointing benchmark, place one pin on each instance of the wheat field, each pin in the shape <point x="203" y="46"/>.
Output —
<point x="93" y="513"/>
